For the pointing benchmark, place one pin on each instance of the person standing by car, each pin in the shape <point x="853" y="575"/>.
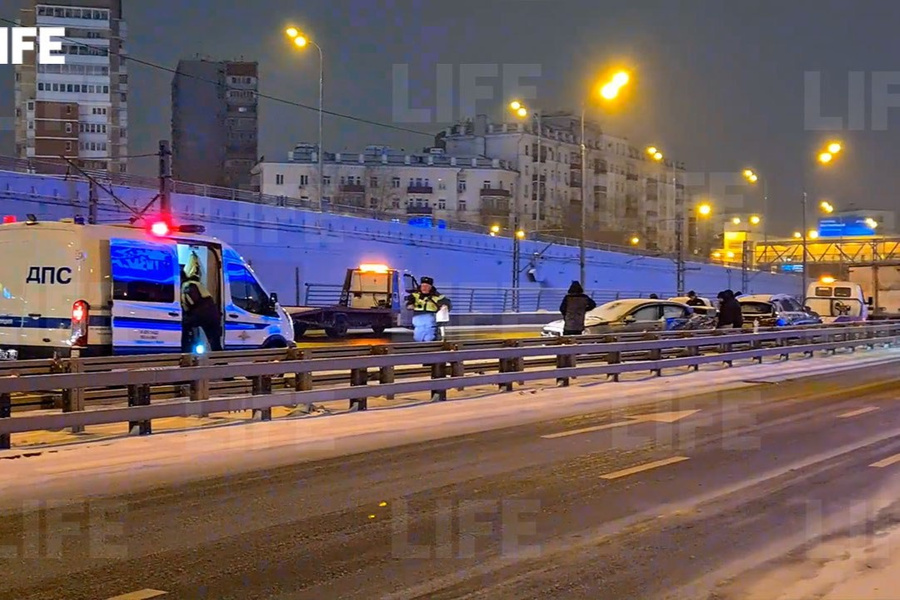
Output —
<point x="693" y="300"/>
<point x="574" y="308"/>
<point x="730" y="314"/>
<point x="425" y="304"/>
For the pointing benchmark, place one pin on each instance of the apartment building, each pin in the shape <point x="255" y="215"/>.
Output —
<point x="215" y="122"/>
<point x="627" y="193"/>
<point x="432" y="184"/>
<point x="77" y="110"/>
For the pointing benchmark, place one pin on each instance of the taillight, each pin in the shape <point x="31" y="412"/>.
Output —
<point x="80" y="317"/>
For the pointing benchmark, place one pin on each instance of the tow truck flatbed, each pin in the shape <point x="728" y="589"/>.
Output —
<point x="372" y="297"/>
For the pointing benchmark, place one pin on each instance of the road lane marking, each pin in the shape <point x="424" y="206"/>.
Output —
<point x="857" y="412"/>
<point x="665" y="417"/>
<point x="140" y="595"/>
<point x="646" y="467"/>
<point x="886" y="462"/>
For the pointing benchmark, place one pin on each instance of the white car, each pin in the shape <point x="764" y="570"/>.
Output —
<point x="640" y="314"/>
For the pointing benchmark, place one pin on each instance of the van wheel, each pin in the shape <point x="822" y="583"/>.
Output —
<point x="379" y="329"/>
<point x="339" y="329"/>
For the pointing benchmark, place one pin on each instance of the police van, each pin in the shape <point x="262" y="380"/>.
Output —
<point x="115" y="289"/>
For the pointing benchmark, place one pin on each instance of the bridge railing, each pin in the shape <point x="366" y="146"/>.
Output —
<point x="492" y="300"/>
<point x="445" y="369"/>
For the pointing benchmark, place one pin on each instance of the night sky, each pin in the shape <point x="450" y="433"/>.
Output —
<point x="717" y="84"/>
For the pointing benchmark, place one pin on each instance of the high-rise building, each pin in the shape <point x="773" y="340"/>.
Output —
<point x="77" y="110"/>
<point x="214" y="122"/>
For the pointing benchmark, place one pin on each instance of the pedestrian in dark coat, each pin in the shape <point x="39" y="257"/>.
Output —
<point x="729" y="311"/>
<point x="574" y="307"/>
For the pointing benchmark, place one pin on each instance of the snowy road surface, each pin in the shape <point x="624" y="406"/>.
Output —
<point x="656" y="489"/>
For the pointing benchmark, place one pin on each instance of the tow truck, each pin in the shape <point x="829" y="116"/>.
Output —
<point x="372" y="297"/>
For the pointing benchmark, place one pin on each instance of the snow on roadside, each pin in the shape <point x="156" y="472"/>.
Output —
<point x="857" y="558"/>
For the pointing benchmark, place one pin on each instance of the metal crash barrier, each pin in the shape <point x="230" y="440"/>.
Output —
<point x="295" y="377"/>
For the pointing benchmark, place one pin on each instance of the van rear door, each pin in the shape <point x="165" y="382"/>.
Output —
<point x="146" y="305"/>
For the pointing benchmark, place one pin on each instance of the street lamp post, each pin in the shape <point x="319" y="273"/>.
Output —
<point x="521" y="111"/>
<point x="824" y="157"/>
<point x="301" y="41"/>
<point x="517" y="236"/>
<point x="609" y="91"/>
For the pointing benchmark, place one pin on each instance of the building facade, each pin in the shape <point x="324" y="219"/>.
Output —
<point x="215" y="122"/>
<point x="77" y="110"/>
<point x="627" y="196"/>
<point x="451" y="188"/>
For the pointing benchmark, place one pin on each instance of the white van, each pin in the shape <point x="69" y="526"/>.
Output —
<point x="837" y="301"/>
<point x="116" y="289"/>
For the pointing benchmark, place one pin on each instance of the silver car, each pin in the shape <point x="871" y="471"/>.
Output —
<point x="618" y="316"/>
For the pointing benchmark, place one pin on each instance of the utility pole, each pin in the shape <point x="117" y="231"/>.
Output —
<point x="745" y="266"/>
<point x="581" y="251"/>
<point x="679" y="252"/>
<point x="516" y="253"/>
<point x="165" y="178"/>
<point x="92" y="203"/>
<point x="805" y="246"/>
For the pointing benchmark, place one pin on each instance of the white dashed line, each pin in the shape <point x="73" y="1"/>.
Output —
<point x="140" y="595"/>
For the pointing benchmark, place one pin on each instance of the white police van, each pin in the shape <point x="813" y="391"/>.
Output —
<point x="115" y="289"/>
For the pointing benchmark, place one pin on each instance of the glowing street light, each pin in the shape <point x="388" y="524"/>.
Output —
<point x="301" y="41"/>
<point x="834" y="147"/>
<point x="608" y="91"/>
<point x="825" y="157"/>
<point x="704" y="209"/>
<point x="812" y="234"/>
<point x="754" y="220"/>
<point x="736" y="220"/>
<point x="797" y="235"/>
<point x="826" y="207"/>
<point x="871" y="222"/>
<point x="635" y="241"/>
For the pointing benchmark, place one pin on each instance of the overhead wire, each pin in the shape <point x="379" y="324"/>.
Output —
<point x="153" y="65"/>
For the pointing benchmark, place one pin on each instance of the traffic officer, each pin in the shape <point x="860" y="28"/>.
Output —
<point x="425" y="304"/>
<point x="200" y="310"/>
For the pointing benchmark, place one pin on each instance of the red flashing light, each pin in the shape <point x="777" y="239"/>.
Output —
<point x="9" y="219"/>
<point x="160" y="229"/>
<point x="78" y="312"/>
<point x="80" y="318"/>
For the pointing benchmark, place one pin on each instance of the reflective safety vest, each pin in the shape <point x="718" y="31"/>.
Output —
<point x="186" y="301"/>
<point x="423" y="303"/>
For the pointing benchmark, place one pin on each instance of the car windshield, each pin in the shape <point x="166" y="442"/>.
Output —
<point x="611" y="311"/>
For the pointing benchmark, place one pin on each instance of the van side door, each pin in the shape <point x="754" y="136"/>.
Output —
<point x="250" y="315"/>
<point x="146" y="302"/>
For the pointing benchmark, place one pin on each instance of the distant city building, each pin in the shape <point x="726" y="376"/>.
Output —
<point x="487" y="173"/>
<point x="214" y="122"/>
<point x="78" y="110"/>
<point x="460" y="189"/>
<point x="628" y="194"/>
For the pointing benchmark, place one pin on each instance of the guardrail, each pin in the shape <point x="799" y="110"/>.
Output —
<point x="492" y="300"/>
<point x="447" y="369"/>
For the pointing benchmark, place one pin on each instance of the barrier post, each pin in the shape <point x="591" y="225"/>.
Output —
<point x="139" y="395"/>
<point x="565" y="361"/>
<point x="73" y="399"/>
<point x="457" y="368"/>
<point x="438" y="371"/>
<point x="303" y="380"/>
<point x="510" y="365"/>
<point x="359" y="377"/>
<point x="199" y="389"/>
<point x="261" y="385"/>
<point x="5" y="413"/>
<point x="385" y="374"/>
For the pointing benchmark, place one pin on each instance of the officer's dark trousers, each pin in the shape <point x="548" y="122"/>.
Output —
<point x="205" y="316"/>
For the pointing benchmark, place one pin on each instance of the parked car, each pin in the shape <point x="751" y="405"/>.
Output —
<point x="631" y="315"/>
<point x="776" y="310"/>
